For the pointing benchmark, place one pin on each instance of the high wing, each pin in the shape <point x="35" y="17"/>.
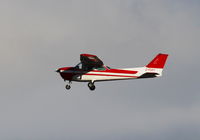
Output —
<point x="90" y="61"/>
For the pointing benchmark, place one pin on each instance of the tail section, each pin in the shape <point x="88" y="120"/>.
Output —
<point x="158" y="61"/>
<point x="155" y="67"/>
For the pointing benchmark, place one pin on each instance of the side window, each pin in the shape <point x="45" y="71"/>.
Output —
<point x="102" y="68"/>
<point x="99" y="68"/>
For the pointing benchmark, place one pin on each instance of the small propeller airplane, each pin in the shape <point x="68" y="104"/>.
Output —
<point x="91" y="69"/>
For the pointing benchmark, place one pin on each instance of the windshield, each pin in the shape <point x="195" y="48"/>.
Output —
<point x="82" y="67"/>
<point x="79" y="66"/>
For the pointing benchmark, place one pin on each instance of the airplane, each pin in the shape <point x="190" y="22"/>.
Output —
<point x="91" y="69"/>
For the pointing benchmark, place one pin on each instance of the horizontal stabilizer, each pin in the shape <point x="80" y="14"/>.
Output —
<point x="148" y="75"/>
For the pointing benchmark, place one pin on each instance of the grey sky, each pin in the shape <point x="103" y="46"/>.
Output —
<point x="37" y="37"/>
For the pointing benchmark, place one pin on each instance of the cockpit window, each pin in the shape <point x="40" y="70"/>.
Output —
<point x="87" y="68"/>
<point x="82" y="67"/>
<point x="78" y="66"/>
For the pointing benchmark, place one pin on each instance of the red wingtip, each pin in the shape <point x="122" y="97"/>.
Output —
<point x="158" y="61"/>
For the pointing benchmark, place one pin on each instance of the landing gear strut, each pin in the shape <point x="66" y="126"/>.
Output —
<point x="91" y="85"/>
<point x="68" y="86"/>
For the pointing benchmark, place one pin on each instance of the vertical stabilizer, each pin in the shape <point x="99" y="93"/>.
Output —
<point x="158" y="61"/>
<point x="155" y="67"/>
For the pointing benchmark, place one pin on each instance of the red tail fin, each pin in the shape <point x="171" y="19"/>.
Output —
<point x="158" y="61"/>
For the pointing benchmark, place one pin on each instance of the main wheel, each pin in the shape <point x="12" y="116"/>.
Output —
<point x="91" y="86"/>
<point x="68" y="87"/>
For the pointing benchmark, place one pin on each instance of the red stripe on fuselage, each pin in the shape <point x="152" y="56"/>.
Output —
<point x="110" y="75"/>
<point x="117" y="71"/>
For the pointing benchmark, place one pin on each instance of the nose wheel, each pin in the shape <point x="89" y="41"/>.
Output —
<point x="68" y="86"/>
<point x="91" y="86"/>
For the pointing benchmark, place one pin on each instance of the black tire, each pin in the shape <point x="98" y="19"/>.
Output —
<point x="91" y="86"/>
<point x="67" y="87"/>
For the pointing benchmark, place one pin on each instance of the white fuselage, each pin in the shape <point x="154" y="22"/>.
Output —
<point x="127" y="73"/>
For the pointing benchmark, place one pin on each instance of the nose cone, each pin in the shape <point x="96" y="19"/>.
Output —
<point x="58" y="70"/>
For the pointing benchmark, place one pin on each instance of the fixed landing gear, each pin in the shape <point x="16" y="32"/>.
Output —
<point x="91" y="85"/>
<point x="68" y="86"/>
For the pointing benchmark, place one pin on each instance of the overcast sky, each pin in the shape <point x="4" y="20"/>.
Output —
<point x="39" y="36"/>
